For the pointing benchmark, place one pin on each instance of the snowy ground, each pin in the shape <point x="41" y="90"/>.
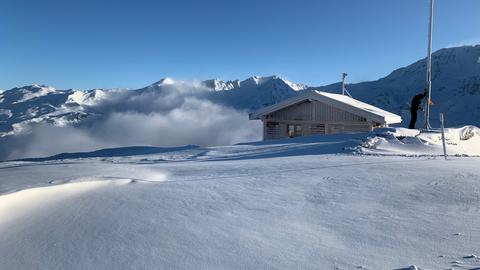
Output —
<point x="296" y="204"/>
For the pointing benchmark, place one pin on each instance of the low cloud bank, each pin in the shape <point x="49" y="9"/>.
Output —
<point x="162" y="115"/>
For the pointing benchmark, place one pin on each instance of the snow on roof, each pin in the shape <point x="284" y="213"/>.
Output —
<point x="339" y="101"/>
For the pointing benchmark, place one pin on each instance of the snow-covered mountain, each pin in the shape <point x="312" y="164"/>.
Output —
<point x="256" y="92"/>
<point x="456" y="92"/>
<point x="455" y="87"/>
<point x="24" y="106"/>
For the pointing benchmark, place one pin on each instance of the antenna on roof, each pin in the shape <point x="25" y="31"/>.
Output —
<point x="429" y="68"/>
<point x="344" y="90"/>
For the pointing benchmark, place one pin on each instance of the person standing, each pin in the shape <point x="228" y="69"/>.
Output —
<point x="414" y="107"/>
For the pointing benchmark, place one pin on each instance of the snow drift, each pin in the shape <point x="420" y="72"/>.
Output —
<point x="288" y="204"/>
<point x="18" y="205"/>
<point x="400" y="141"/>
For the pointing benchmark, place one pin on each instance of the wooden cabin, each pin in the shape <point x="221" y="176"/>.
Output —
<point x="316" y="112"/>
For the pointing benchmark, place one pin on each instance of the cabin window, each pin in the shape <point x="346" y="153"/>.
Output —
<point x="294" y="130"/>
<point x="317" y="129"/>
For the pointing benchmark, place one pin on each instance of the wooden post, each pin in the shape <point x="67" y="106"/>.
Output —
<point x="442" y="125"/>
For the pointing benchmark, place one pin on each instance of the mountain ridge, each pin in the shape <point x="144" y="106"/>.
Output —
<point x="455" y="86"/>
<point x="456" y="81"/>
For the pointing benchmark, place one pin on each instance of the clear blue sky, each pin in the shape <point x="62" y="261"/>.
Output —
<point x="91" y="43"/>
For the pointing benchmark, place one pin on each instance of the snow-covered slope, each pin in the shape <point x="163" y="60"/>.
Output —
<point x="288" y="204"/>
<point x="455" y="87"/>
<point x="24" y="106"/>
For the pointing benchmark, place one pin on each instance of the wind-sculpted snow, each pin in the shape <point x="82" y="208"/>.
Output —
<point x="289" y="204"/>
<point x="18" y="205"/>
<point x="463" y="141"/>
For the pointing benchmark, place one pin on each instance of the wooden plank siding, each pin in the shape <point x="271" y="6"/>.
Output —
<point x="315" y="118"/>
<point x="316" y="111"/>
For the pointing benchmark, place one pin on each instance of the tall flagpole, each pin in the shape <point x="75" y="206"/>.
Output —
<point x="429" y="68"/>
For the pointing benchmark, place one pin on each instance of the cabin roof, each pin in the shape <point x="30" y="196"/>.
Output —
<point x="342" y="102"/>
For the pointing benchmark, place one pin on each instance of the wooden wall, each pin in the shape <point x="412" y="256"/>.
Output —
<point x="315" y="118"/>
<point x="315" y="111"/>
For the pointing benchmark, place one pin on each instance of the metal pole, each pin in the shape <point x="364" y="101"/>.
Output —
<point x="344" y="75"/>
<point x="442" y="125"/>
<point x="429" y="68"/>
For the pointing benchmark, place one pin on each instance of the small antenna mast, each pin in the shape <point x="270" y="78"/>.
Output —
<point x="344" y="75"/>
<point x="344" y="89"/>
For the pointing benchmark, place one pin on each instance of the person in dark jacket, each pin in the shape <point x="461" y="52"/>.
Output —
<point x="415" y="106"/>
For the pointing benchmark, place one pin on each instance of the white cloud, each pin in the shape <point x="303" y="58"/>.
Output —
<point x="174" y="115"/>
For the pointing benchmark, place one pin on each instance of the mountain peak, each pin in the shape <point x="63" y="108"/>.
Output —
<point x="164" y="81"/>
<point x="219" y="85"/>
<point x="257" y="80"/>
